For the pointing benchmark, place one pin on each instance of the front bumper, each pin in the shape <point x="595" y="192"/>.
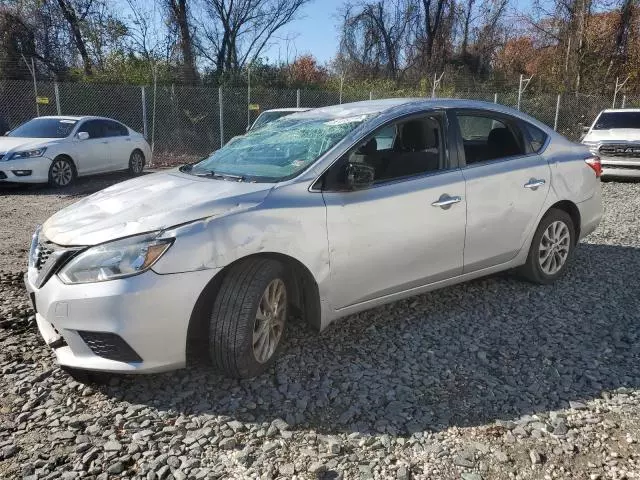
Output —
<point x="90" y="326"/>
<point x="620" y="167"/>
<point x="38" y="166"/>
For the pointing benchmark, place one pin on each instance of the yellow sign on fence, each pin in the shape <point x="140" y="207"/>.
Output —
<point x="254" y="106"/>
<point x="42" y="100"/>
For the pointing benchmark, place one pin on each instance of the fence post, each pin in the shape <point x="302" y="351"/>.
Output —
<point x="144" y="111"/>
<point x="56" y="91"/>
<point x="624" y="101"/>
<point x="221" y="117"/>
<point x="298" y="98"/>
<point x="555" y="121"/>
<point x="495" y="98"/>
<point x="371" y="95"/>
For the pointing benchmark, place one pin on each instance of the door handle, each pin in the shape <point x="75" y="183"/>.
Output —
<point x="534" y="183"/>
<point x="105" y="142"/>
<point x="445" y="201"/>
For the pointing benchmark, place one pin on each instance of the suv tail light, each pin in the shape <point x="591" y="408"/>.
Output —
<point x="594" y="163"/>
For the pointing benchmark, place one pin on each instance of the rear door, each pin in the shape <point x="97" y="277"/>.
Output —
<point x="507" y="183"/>
<point x="92" y="155"/>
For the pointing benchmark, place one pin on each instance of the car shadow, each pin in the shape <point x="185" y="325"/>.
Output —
<point x="494" y="348"/>
<point x="81" y="187"/>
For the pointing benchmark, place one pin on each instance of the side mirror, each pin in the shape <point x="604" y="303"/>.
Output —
<point x="82" y="136"/>
<point x="359" y="176"/>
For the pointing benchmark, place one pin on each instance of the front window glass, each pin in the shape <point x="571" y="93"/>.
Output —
<point x="279" y="150"/>
<point x="44" y="128"/>
<point x="610" y="120"/>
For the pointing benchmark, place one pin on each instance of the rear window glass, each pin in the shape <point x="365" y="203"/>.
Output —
<point x="537" y="136"/>
<point x="610" y="120"/>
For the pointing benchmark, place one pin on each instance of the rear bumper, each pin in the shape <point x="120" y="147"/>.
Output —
<point x="591" y="212"/>
<point x="132" y="325"/>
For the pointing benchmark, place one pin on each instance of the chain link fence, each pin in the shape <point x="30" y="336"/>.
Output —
<point x="185" y="122"/>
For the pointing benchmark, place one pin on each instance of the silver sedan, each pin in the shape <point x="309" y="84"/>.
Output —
<point x="319" y="215"/>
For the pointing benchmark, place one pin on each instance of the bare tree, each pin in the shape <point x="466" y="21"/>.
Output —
<point x="74" y="14"/>
<point x="179" y="17"/>
<point x="235" y="32"/>
<point x="376" y="37"/>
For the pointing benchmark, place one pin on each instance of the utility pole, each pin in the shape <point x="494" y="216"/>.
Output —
<point x="617" y="89"/>
<point x="524" y="83"/>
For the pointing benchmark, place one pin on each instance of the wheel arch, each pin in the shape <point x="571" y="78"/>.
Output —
<point x="572" y="210"/>
<point x="304" y="299"/>
<point x="66" y="156"/>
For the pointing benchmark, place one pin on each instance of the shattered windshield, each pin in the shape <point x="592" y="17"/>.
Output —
<point x="279" y="150"/>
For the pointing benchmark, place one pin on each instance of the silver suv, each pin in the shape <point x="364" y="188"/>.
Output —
<point x="318" y="215"/>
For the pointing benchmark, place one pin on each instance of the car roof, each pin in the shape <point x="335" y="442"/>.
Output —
<point x="616" y="110"/>
<point x="292" y="109"/>
<point x="78" y="117"/>
<point x="399" y="106"/>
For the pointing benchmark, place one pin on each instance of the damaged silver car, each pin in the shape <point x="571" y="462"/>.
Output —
<point x="318" y="215"/>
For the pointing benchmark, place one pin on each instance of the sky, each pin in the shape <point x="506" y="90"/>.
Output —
<point x="314" y="32"/>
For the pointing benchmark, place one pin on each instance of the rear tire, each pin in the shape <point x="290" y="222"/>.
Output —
<point x="62" y="172"/>
<point x="136" y="162"/>
<point x="551" y="248"/>
<point x="248" y="318"/>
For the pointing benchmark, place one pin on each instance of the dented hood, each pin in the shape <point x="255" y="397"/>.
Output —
<point x="148" y="203"/>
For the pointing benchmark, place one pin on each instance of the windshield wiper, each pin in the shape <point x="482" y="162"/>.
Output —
<point x="212" y="174"/>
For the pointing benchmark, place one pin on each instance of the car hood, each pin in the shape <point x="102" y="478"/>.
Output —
<point x="21" y="143"/>
<point x="613" y="135"/>
<point x="148" y="203"/>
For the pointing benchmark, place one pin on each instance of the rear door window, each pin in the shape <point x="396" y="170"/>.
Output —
<point x="487" y="137"/>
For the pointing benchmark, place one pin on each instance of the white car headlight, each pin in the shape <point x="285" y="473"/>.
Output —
<point x="33" y="250"/>
<point x="38" y="152"/>
<point x="122" y="258"/>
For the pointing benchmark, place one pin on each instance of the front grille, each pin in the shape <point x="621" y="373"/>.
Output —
<point x="43" y="252"/>
<point x="620" y="150"/>
<point x="110" y="346"/>
<point x="49" y="257"/>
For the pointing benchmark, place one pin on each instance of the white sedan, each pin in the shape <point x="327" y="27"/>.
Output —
<point x="58" y="149"/>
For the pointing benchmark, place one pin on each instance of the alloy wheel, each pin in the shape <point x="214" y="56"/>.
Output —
<point x="270" y="319"/>
<point x="137" y="162"/>
<point x="554" y="247"/>
<point x="61" y="173"/>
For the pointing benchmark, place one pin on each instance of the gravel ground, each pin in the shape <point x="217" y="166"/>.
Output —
<point x="492" y="379"/>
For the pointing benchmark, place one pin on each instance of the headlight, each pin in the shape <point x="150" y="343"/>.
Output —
<point x="27" y="154"/>
<point x="122" y="258"/>
<point x="33" y="251"/>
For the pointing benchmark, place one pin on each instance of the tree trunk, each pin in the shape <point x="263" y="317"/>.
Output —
<point x="70" y="16"/>
<point x="180" y="17"/>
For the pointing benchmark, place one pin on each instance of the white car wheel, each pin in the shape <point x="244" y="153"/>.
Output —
<point x="61" y="173"/>
<point x="136" y="162"/>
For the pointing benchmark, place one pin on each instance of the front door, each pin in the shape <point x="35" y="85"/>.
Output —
<point x="92" y="155"/>
<point x="407" y="229"/>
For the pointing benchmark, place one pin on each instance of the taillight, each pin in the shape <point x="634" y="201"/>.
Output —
<point x="594" y="163"/>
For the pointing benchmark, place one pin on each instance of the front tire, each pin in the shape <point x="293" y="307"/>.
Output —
<point x="136" y="162"/>
<point x="551" y="248"/>
<point x="248" y="318"/>
<point x="62" y="172"/>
